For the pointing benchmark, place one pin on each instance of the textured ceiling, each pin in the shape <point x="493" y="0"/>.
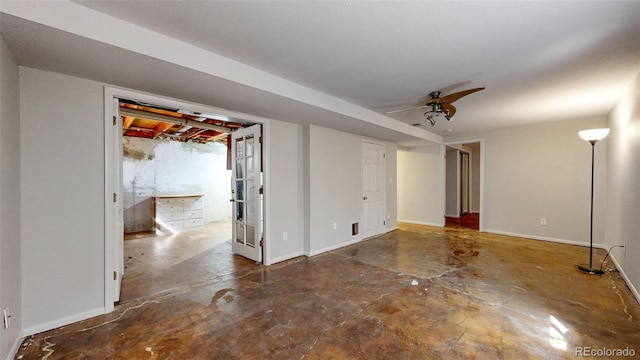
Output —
<point x="539" y="61"/>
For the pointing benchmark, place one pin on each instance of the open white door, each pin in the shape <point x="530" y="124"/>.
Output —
<point x="464" y="183"/>
<point x="245" y="192"/>
<point x="373" y="189"/>
<point x="118" y="270"/>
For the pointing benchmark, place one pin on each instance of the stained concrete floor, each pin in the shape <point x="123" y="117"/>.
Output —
<point x="416" y="293"/>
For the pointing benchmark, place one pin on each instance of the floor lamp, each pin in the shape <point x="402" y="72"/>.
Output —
<point x="592" y="136"/>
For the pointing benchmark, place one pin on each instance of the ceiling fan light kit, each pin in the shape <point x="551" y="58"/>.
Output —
<point x="429" y="118"/>
<point x="439" y="105"/>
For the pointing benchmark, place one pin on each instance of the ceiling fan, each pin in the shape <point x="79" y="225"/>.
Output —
<point x="439" y="104"/>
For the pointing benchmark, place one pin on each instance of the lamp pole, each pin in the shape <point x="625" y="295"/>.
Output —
<point x="593" y="153"/>
<point x="592" y="136"/>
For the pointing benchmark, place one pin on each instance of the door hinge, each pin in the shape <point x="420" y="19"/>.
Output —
<point x="384" y="156"/>
<point x="384" y="223"/>
<point x="115" y="121"/>
<point x="115" y="197"/>
<point x="261" y="242"/>
<point x="115" y="275"/>
<point x="260" y="139"/>
<point x="261" y="190"/>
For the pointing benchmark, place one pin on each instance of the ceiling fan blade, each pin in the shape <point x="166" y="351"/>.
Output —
<point x="451" y="110"/>
<point x="455" y="96"/>
<point x="407" y="109"/>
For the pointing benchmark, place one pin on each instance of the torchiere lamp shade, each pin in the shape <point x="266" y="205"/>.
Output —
<point x="594" y="134"/>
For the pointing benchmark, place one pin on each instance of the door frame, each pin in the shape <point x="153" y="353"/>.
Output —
<point x="443" y="177"/>
<point x="384" y="184"/>
<point x="110" y="162"/>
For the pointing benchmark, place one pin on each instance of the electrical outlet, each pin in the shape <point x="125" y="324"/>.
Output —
<point x="335" y="226"/>
<point x="543" y="222"/>
<point x="284" y="236"/>
<point x="6" y="318"/>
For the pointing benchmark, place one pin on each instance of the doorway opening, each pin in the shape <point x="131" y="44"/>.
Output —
<point x="463" y="188"/>
<point x="175" y="178"/>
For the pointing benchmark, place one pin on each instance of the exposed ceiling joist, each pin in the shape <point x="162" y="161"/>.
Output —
<point x="161" y="128"/>
<point x="128" y="120"/>
<point x="168" y="119"/>
<point x="217" y="137"/>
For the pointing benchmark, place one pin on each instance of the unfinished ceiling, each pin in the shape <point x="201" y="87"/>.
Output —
<point x="154" y="122"/>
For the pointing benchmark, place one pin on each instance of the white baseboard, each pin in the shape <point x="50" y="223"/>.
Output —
<point x="286" y="257"/>
<point x="15" y="348"/>
<point x="544" y="238"/>
<point x="420" y="223"/>
<point x="333" y="247"/>
<point x="341" y="245"/>
<point x="634" y="291"/>
<point x="452" y="216"/>
<point x="61" y="322"/>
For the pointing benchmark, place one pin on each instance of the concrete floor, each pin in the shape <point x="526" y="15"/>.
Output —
<point x="416" y="293"/>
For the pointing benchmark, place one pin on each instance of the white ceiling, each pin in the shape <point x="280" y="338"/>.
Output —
<point x="539" y="61"/>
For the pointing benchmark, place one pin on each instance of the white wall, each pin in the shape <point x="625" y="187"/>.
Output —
<point x="391" y="191"/>
<point x="10" y="264"/>
<point x="334" y="183"/>
<point x="333" y="188"/>
<point x="419" y="192"/>
<point x="285" y="181"/>
<point x="623" y="184"/>
<point x="62" y="174"/>
<point x="545" y="173"/>
<point x="162" y="167"/>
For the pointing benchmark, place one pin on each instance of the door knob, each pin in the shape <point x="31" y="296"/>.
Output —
<point x="232" y="200"/>
<point x="364" y="198"/>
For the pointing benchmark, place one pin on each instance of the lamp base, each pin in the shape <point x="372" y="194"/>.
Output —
<point x="587" y="270"/>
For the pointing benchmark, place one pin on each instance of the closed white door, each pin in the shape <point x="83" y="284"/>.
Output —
<point x="245" y="191"/>
<point x="373" y="189"/>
